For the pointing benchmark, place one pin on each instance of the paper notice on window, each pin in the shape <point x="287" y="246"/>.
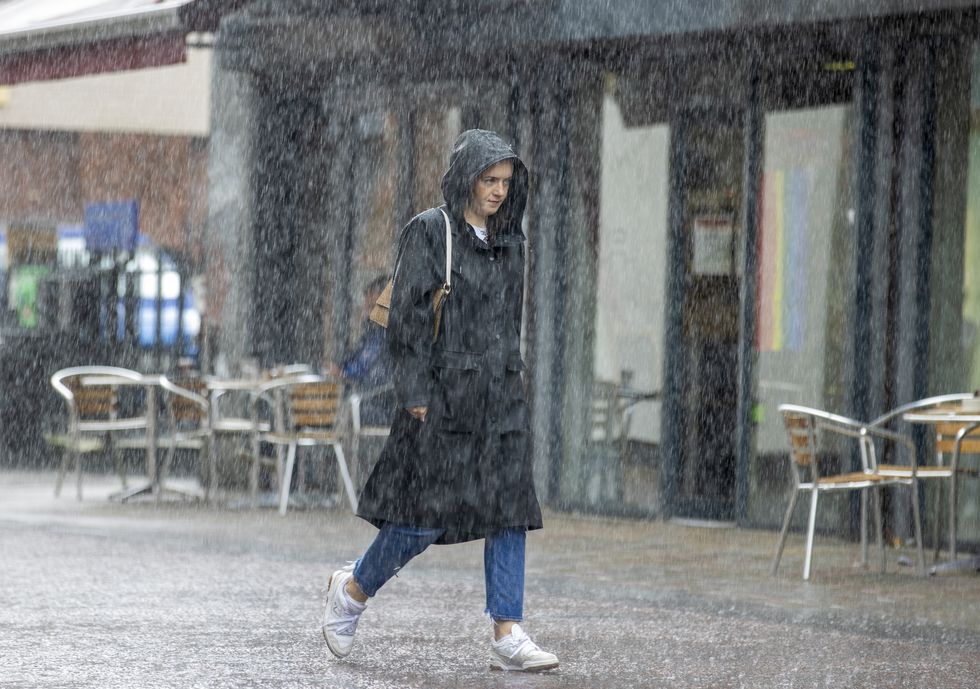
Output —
<point x="713" y="245"/>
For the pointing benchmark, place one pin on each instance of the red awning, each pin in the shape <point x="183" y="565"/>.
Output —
<point x="52" y="39"/>
<point x="107" y="56"/>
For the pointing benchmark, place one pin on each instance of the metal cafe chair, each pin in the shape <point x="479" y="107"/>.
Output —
<point x="266" y="413"/>
<point x="804" y="426"/>
<point x="96" y="419"/>
<point x="188" y="416"/>
<point x="611" y="414"/>
<point x="938" y="471"/>
<point x="234" y="412"/>
<point x="309" y="407"/>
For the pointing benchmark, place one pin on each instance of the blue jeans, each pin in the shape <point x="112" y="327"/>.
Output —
<point x="503" y="564"/>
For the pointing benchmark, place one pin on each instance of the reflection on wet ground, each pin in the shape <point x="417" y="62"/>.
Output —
<point x="97" y="594"/>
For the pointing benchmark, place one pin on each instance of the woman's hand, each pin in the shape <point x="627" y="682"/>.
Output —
<point x="418" y="412"/>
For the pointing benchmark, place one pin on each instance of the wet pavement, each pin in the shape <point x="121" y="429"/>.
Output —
<point x="98" y="594"/>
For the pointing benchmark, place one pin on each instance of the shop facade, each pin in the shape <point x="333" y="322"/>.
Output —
<point x="727" y="213"/>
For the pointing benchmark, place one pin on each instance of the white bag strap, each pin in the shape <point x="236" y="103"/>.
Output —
<point x="447" y="286"/>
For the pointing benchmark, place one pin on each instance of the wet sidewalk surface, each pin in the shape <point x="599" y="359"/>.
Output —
<point x="98" y="594"/>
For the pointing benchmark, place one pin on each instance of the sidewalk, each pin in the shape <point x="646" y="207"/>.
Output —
<point x="97" y="594"/>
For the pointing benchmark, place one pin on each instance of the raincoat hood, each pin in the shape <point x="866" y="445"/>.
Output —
<point x="474" y="151"/>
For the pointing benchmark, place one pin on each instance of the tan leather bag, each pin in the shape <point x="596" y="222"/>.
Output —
<point x="382" y="308"/>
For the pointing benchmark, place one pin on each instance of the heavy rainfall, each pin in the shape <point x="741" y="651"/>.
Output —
<point x="489" y="343"/>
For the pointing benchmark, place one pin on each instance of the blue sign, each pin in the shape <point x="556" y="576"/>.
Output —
<point x="112" y="225"/>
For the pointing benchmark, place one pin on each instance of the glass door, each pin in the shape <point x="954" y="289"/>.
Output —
<point x="709" y="150"/>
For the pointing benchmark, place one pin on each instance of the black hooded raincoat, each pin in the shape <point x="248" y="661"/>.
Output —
<point x="467" y="467"/>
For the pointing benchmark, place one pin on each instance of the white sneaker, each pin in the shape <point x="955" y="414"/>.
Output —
<point x="516" y="651"/>
<point x="341" y="613"/>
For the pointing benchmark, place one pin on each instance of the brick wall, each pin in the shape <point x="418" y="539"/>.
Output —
<point x="49" y="177"/>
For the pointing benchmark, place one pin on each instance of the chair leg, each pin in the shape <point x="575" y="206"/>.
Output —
<point x="879" y="526"/>
<point x="917" y="526"/>
<point x="210" y="456"/>
<point x="287" y="477"/>
<point x="345" y="476"/>
<point x="120" y="466"/>
<point x="301" y="474"/>
<point x="936" y="545"/>
<point x="810" y="529"/>
<point x="165" y="468"/>
<point x="78" y="472"/>
<point x="355" y="459"/>
<point x="66" y="456"/>
<point x="952" y="519"/>
<point x="782" y="532"/>
<point x="253" y="472"/>
<point x="864" y="527"/>
<point x="280" y="461"/>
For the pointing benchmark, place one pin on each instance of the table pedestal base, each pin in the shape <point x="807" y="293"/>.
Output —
<point x="155" y="491"/>
<point x="966" y="564"/>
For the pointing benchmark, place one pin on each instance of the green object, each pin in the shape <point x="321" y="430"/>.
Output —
<point x="24" y="283"/>
<point x="758" y="413"/>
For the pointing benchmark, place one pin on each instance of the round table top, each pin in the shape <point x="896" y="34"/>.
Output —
<point x="951" y="413"/>
<point x="233" y="383"/>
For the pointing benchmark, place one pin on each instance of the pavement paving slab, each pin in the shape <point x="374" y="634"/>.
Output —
<point x="172" y="594"/>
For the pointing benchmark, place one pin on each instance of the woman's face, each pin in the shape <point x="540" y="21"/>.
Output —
<point x="490" y="189"/>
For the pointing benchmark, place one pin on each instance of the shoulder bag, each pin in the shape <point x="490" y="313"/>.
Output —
<point x="382" y="308"/>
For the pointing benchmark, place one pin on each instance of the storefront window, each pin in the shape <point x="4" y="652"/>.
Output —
<point x="806" y="216"/>
<point x="971" y="243"/>
<point x="629" y="316"/>
<point x="969" y="500"/>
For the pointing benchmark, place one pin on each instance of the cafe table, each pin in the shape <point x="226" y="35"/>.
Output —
<point x="968" y="418"/>
<point x="248" y="424"/>
<point x="154" y="485"/>
<point x="149" y="383"/>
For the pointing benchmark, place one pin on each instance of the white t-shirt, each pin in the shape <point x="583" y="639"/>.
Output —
<point x="481" y="232"/>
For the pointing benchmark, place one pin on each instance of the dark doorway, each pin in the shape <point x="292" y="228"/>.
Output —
<point x="708" y="147"/>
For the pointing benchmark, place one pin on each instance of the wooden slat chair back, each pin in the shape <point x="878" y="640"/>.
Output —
<point x="184" y="409"/>
<point x="804" y="428"/>
<point x="314" y="407"/>
<point x="802" y="433"/>
<point x="94" y="402"/>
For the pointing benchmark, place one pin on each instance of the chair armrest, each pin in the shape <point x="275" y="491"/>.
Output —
<point x="357" y="398"/>
<point x="873" y="431"/>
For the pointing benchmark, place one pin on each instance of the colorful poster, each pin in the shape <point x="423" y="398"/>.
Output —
<point x="783" y="251"/>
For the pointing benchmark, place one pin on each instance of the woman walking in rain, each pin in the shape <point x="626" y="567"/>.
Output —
<point x="456" y="466"/>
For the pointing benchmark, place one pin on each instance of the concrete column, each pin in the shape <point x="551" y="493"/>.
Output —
<point x="914" y="217"/>
<point x="229" y="245"/>
<point x="547" y="222"/>
<point x="948" y="363"/>
<point x="916" y="165"/>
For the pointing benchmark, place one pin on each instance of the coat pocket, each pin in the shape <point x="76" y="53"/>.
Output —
<point x="515" y="416"/>
<point x="456" y="400"/>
